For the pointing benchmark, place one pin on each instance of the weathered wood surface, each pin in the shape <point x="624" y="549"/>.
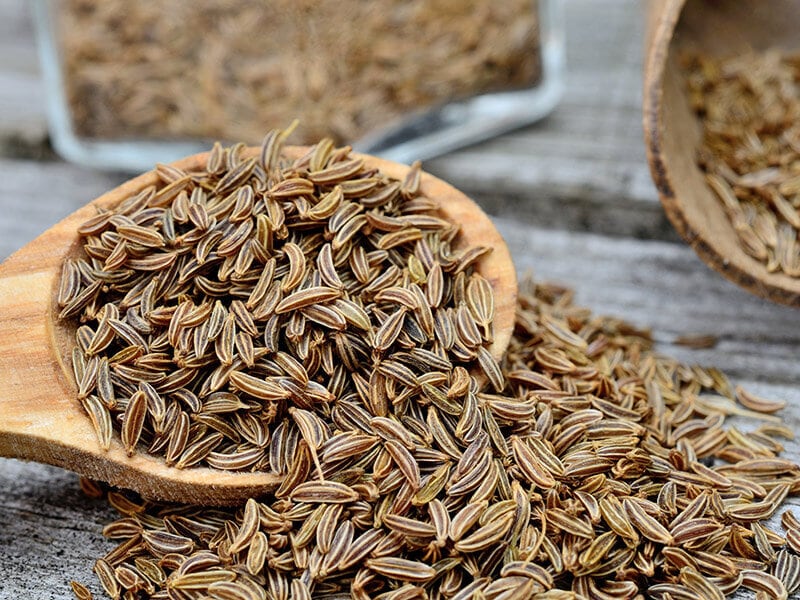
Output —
<point x="574" y="201"/>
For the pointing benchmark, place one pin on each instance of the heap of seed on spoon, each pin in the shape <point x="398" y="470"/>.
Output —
<point x="329" y="334"/>
<point x="227" y="314"/>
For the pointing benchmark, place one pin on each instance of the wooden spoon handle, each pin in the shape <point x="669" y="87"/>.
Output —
<point x="36" y="394"/>
<point x="40" y="417"/>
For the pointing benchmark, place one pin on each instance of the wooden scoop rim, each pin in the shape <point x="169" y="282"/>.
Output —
<point x="670" y="179"/>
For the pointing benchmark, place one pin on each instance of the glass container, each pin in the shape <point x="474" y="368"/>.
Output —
<point x="129" y="84"/>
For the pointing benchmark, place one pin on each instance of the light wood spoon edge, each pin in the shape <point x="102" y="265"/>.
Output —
<point x="672" y="131"/>
<point x="40" y="417"/>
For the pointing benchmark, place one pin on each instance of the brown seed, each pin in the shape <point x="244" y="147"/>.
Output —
<point x="647" y="525"/>
<point x="105" y="573"/>
<point x="753" y="402"/>
<point x="264" y="389"/>
<point x="402" y="569"/>
<point x="490" y="534"/>
<point x="133" y="421"/>
<point x="764" y="582"/>
<point x="201" y="580"/>
<point x="405" y="462"/>
<point x="324" y="491"/>
<point x="81" y="591"/>
<point x="409" y="527"/>
<point x="531" y="466"/>
<point x="389" y="330"/>
<point x="143" y="236"/>
<point x="700" y="585"/>
<point x="100" y="418"/>
<point x="248" y="528"/>
<point x="307" y="297"/>
<point x="162" y="542"/>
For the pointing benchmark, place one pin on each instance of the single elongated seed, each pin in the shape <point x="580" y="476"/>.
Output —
<point x="486" y="536"/>
<point x="324" y="492"/>
<point x="105" y="573"/>
<point x="402" y="569"/>
<point x="133" y="421"/>
<point x="162" y="542"/>
<point x="197" y="451"/>
<point x="405" y="462"/>
<point x="568" y="524"/>
<point x="141" y="235"/>
<point x="100" y="418"/>
<point x="248" y="528"/>
<point x="201" y="580"/>
<point x="307" y="297"/>
<point x="615" y="517"/>
<point x="490" y="368"/>
<point x="694" y="529"/>
<point x="264" y="389"/>
<point x="530" y="465"/>
<point x="389" y="331"/>
<point x="297" y="266"/>
<point x="756" y="403"/>
<point x="340" y="172"/>
<point x="409" y="527"/>
<point x="759" y="581"/>
<point x="647" y="525"/>
<point x="81" y="591"/>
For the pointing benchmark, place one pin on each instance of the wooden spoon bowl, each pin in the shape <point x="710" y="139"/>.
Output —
<point x="40" y="416"/>
<point x="720" y="28"/>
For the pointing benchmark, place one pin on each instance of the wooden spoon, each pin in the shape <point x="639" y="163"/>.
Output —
<point x="721" y="28"/>
<point x="40" y="416"/>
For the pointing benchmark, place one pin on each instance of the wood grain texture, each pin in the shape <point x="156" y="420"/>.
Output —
<point x="673" y="131"/>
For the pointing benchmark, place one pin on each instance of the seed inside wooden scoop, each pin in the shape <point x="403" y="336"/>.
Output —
<point x="228" y="314"/>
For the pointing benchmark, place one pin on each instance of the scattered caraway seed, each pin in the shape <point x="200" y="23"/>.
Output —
<point x="601" y="469"/>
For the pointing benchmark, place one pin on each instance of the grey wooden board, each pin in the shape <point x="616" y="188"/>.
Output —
<point x="36" y="195"/>
<point x="580" y="170"/>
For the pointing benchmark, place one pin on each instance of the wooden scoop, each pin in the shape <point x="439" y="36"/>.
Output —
<point x="40" y="416"/>
<point x="721" y="28"/>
